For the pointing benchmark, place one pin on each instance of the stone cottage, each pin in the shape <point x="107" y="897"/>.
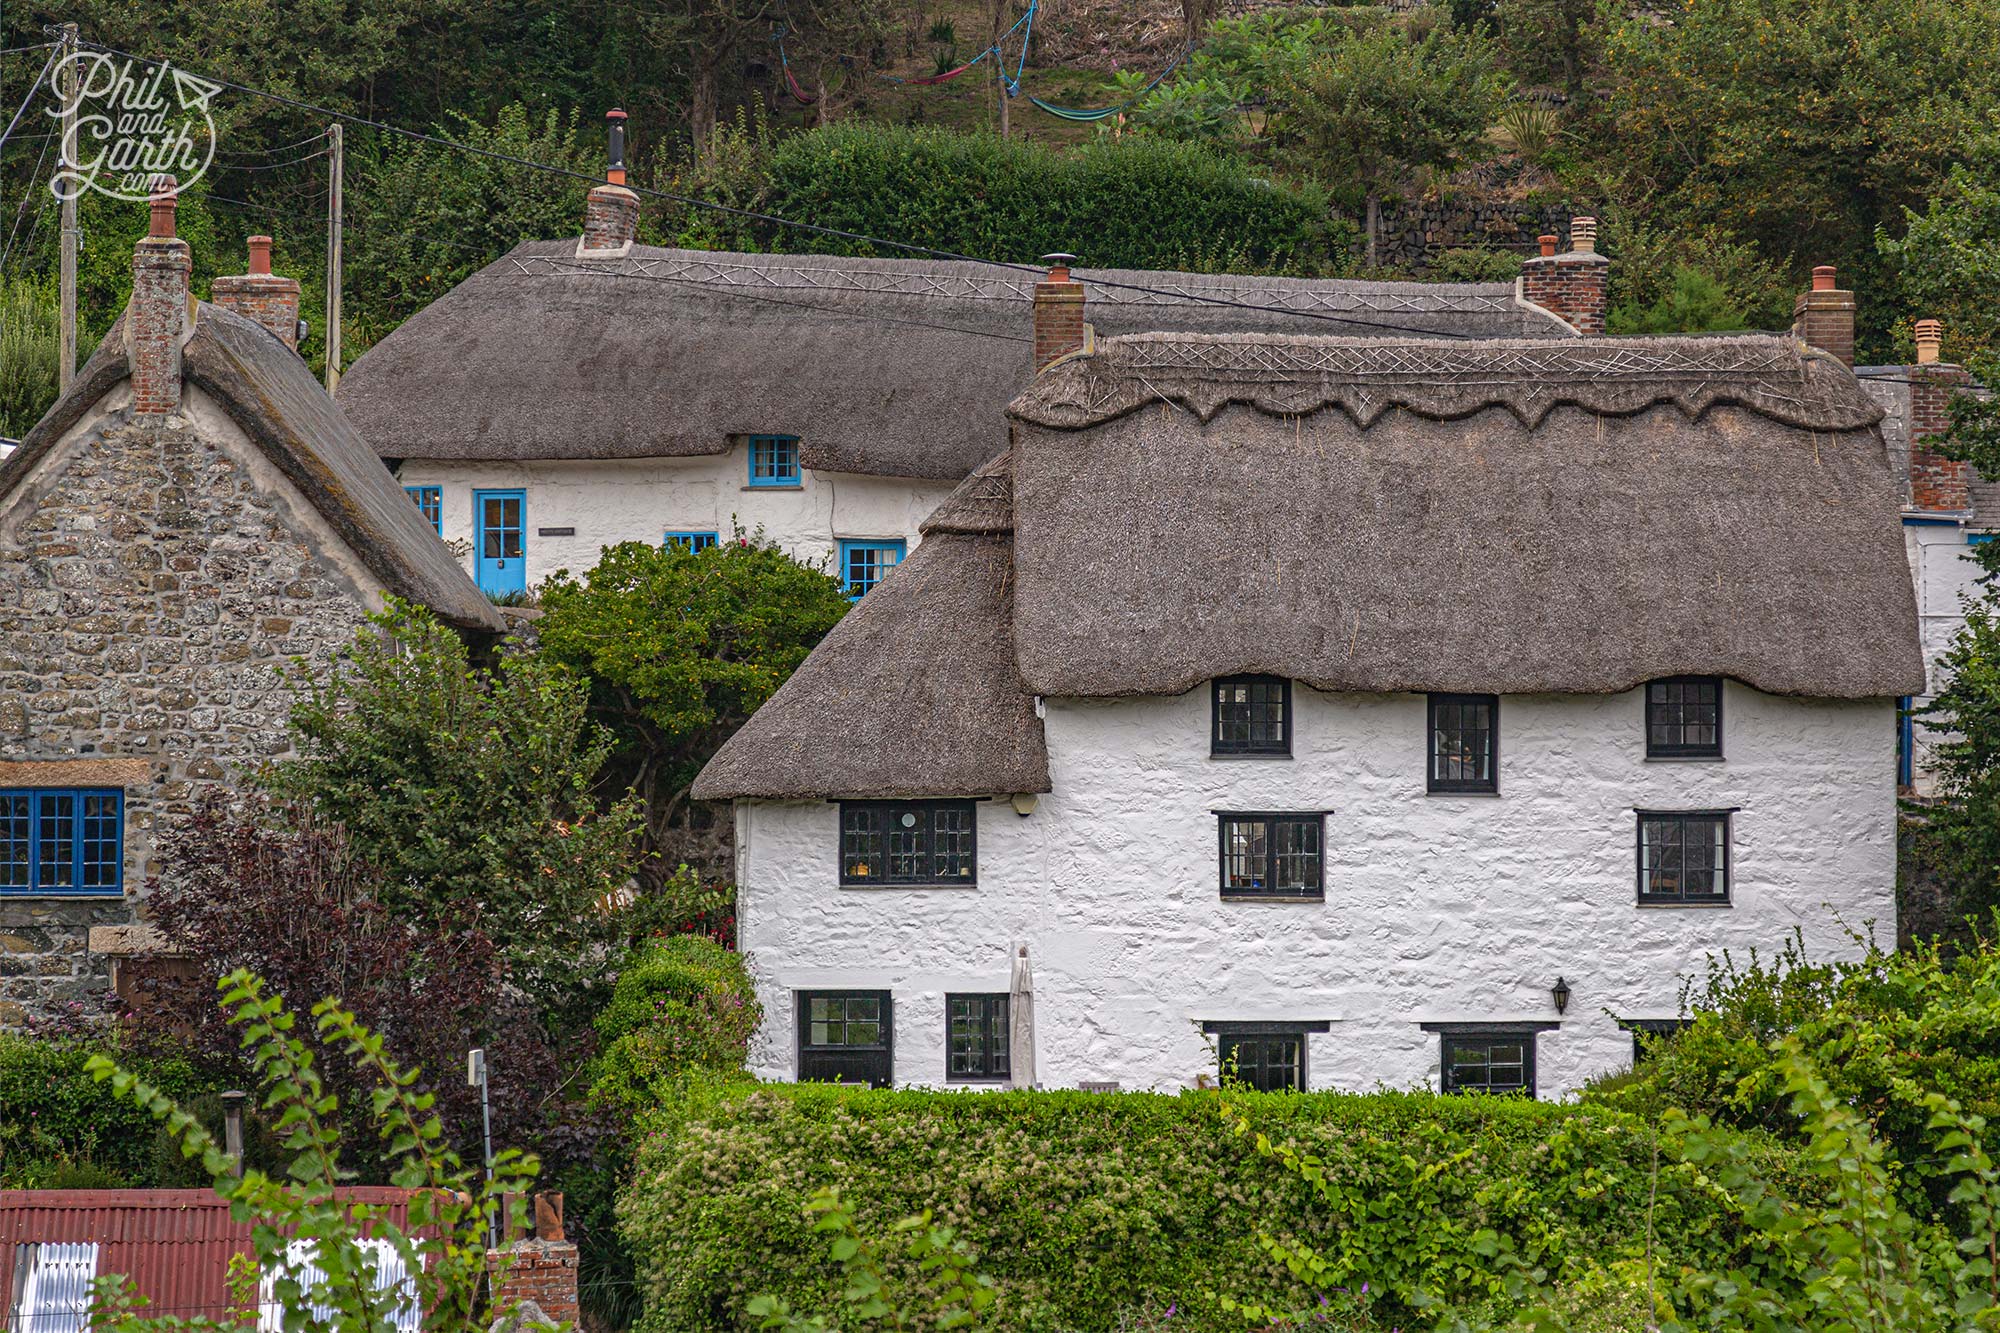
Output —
<point x="1341" y="712"/>
<point x="586" y="391"/>
<point x="194" y="513"/>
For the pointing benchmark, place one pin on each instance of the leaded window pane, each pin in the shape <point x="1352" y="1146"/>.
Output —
<point x="844" y="1020"/>
<point x="1683" y="858"/>
<point x="1272" y="854"/>
<point x="976" y="1036"/>
<point x="1464" y="743"/>
<point x="774" y="460"/>
<point x="1252" y="715"/>
<point x="1269" y="1062"/>
<point x="101" y="851"/>
<point x="861" y="843"/>
<point x="908" y="842"/>
<point x="1500" y="1064"/>
<point x="1684" y="717"/>
<point x="1246" y="855"/>
<point x="16" y="836"/>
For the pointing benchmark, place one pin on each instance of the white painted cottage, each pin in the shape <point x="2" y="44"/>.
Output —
<point x="581" y="392"/>
<point x="1347" y="712"/>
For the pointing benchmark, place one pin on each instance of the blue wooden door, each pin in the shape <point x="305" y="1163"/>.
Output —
<point x="502" y="539"/>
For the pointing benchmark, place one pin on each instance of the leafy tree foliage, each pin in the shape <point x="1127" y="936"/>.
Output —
<point x="679" y="647"/>
<point x="443" y="1239"/>
<point x="1386" y="100"/>
<point x="468" y="791"/>
<point x="683" y="1005"/>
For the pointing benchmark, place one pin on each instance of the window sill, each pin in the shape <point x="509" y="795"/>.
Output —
<point x="1234" y="757"/>
<point x="1446" y="791"/>
<point x="1684" y="759"/>
<point x="1314" y="900"/>
<point x="784" y="486"/>
<point x="941" y="884"/>
<point x="997" y="1081"/>
<point x="1672" y="906"/>
<point x="56" y="895"/>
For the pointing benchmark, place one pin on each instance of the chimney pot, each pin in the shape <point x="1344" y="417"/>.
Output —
<point x="1059" y="327"/>
<point x="1824" y="278"/>
<point x="1930" y="334"/>
<point x="1583" y="235"/>
<point x="161" y="225"/>
<point x="615" y="147"/>
<point x="261" y="296"/>
<point x="1570" y="286"/>
<point x="1548" y="244"/>
<point x="1823" y="316"/>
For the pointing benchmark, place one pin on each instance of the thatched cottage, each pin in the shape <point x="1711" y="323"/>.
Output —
<point x="582" y="392"/>
<point x="1342" y="711"/>
<point x="192" y="514"/>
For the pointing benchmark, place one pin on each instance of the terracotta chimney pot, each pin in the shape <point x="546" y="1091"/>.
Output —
<point x="1930" y="336"/>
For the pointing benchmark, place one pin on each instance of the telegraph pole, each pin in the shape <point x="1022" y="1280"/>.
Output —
<point x="66" y="342"/>
<point x="333" y="135"/>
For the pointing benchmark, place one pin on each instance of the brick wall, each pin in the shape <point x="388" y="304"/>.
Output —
<point x="1572" y="286"/>
<point x="264" y="297"/>
<point x="542" y="1271"/>
<point x="150" y="589"/>
<point x="610" y="218"/>
<point x="156" y="321"/>
<point x="1058" y="320"/>
<point x="1937" y="483"/>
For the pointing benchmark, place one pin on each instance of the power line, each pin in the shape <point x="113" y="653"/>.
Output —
<point x="752" y="214"/>
<point x="37" y="83"/>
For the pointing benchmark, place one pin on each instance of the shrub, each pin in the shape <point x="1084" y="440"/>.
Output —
<point x="61" y="1129"/>
<point x="1087" y="1208"/>
<point x="681" y="1005"/>
<point x="1476" y="264"/>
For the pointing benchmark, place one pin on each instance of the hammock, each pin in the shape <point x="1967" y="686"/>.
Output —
<point x="799" y="95"/>
<point x="1013" y="84"/>
<point x="1101" y="113"/>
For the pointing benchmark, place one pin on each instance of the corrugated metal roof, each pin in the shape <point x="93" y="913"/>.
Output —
<point x="175" y="1245"/>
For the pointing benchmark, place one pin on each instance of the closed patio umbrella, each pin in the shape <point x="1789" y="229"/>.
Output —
<point x="1021" y="1022"/>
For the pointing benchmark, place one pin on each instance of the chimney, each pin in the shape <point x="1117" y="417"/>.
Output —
<point x="611" y="213"/>
<point x="1570" y="286"/>
<point x="1938" y="485"/>
<point x="261" y="295"/>
<point x="159" y="318"/>
<point x="541" y="1270"/>
<point x="1059" y="326"/>
<point x="1824" y="316"/>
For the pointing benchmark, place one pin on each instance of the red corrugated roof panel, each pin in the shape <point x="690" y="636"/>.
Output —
<point x="175" y="1245"/>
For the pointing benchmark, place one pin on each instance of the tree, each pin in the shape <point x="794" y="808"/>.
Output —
<point x="443" y="1239"/>
<point x="468" y="791"/>
<point x="1386" y="100"/>
<point x="1947" y="263"/>
<point x="680" y="647"/>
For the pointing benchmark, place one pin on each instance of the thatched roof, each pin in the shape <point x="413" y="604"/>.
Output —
<point x="1505" y="517"/>
<point x="898" y="367"/>
<point x="271" y="395"/>
<point x="915" y="692"/>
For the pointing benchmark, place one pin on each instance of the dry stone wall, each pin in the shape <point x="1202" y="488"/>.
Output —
<point x="1413" y="232"/>
<point x="150" y="590"/>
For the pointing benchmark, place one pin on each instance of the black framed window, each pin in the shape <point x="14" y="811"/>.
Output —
<point x="1684" y="856"/>
<point x="1266" y="1061"/>
<point x="846" y="1036"/>
<point x="975" y="1038"/>
<point x="1497" y="1062"/>
<point x="1650" y="1032"/>
<point x="1252" y="715"/>
<point x="1684" y="718"/>
<point x="1464" y="743"/>
<point x="1272" y="855"/>
<point x="908" y="842"/>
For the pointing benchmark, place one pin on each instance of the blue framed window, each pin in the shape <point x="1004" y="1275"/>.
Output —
<point x="694" y="541"/>
<point x="1906" y="742"/>
<point x="865" y="564"/>
<point x="774" y="460"/>
<point x="62" y="841"/>
<point x="1980" y="538"/>
<point x="430" y="500"/>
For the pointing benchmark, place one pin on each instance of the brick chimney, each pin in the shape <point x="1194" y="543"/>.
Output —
<point x="159" y="319"/>
<point x="611" y="213"/>
<point x="1937" y="484"/>
<point x="262" y="295"/>
<point x="541" y="1269"/>
<point x="1572" y="285"/>
<point x="1059" y="327"/>
<point x="1823" y="317"/>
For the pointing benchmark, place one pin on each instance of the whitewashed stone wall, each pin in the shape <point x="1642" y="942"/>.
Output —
<point x="608" y="502"/>
<point x="1946" y="576"/>
<point x="1438" y="908"/>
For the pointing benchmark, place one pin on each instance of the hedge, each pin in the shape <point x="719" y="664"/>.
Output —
<point x="59" y="1127"/>
<point x="1132" y="203"/>
<point x="1087" y="1208"/>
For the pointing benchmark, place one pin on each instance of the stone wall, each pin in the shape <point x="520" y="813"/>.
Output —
<point x="1413" y="231"/>
<point x="153" y="579"/>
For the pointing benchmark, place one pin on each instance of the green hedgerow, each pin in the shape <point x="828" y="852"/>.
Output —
<point x="683" y="1005"/>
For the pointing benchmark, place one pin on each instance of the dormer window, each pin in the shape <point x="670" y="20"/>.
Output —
<point x="774" y="460"/>
<point x="1251" y="717"/>
<point x="1684" y="718"/>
